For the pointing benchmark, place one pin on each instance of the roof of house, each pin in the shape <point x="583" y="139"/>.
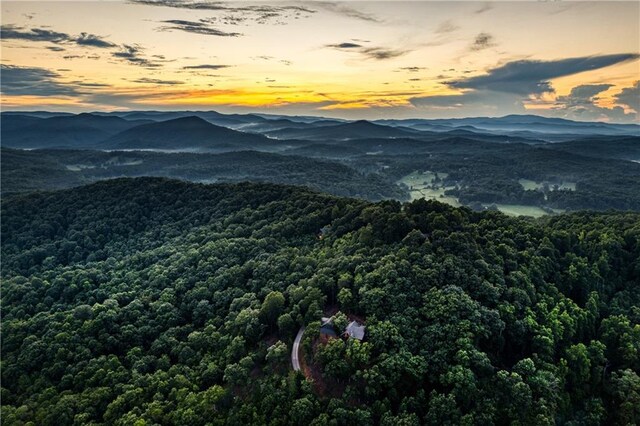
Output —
<point x="328" y="330"/>
<point x="355" y="330"/>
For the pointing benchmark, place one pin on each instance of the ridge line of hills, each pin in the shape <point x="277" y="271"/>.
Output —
<point x="214" y="131"/>
<point x="515" y="161"/>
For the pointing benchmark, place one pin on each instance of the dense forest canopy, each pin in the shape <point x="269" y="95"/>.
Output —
<point x="151" y="301"/>
<point x="24" y="171"/>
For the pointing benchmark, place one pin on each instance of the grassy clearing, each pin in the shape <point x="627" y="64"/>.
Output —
<point x="522" y="210"/>
<point x="530" y="185"/>
<point x="79" y="167"/>
<point x="571" y="186"/>
<point x="424" y="185"/>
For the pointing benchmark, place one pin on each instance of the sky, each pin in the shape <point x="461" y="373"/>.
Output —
<point x="356" y="59"/>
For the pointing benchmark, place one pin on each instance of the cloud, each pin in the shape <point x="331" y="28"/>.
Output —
<point x="234" y="14"/>
<point x="484" y="8"/>
<point x="582" y="95"/>
<point x="630" y="97"/>
<point x="446" y="27"/>
<point x="581" y="103"/>
<point x="412" y="69"/>
<point x="346" y="45"/>
<point x="381" y="53"/>
<point x="12" y="32"/>
<point x="205" y="67"/>
<point x="481" y="42"/>
<point x="85" y="39"/>
<point x="531" y="77"/>
<point x="200" y="27"/>
<point x="33" y="81"/>
<point x="377" y="53"/>
<point x="443" y="33"/>
<point x="86" y="84"/>
<point x="132" y="53"/>
<point x="56" y="48"/>
<point x="498" y="97"/>
<point x="348" y="11"/>
<point x="146" y="80"/>
<point x="464" y="99"/>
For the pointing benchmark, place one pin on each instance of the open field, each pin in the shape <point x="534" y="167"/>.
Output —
<point x="425" y="185"/>
<point x="523" y="210"/>
<point x="530" y="185"/>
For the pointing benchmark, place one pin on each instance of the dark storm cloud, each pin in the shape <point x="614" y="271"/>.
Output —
<point x="145" y="80"/>
<point x="33" y="81"/>
<point x="481" y="42"/>
<point x="12" y="32"/>
<point x="205" y="67"/>
<point x="133" y="54"/>
<point x="346" y="45"/>
<point x="532" y="77"/>
<point x="196" y="27"/>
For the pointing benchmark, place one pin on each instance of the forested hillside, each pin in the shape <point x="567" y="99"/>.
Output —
<point x="24" y="171"/>
<point x="151" y="301"/>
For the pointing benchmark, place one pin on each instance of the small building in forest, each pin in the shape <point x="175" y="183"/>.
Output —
<point x="355" y="330"/>
<point x="324" y="231"/>
<point x="326" y="327"/>
<point x="328" y="330"/>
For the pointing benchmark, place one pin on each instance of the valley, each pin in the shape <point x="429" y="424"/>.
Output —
<point x="480" y="164"/>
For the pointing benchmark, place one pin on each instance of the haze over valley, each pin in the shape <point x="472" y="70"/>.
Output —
<point x="556" y="165"/>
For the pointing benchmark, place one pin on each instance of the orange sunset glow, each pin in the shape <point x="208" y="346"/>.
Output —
<point x="347" y="59"/>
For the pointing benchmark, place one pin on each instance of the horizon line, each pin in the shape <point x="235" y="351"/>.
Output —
<point x="3" y="111"/>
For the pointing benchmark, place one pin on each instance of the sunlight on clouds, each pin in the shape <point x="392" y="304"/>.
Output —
<point x="358" y="59"/>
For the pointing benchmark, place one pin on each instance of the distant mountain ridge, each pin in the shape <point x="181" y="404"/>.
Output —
<point x="360" y="129"/>
<point x="65" y="131"/>
<point x="182" y="133"/>
<point x="214" y="131"/>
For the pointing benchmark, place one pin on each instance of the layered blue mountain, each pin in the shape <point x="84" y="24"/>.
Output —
<point x="186" y="133"/>
<point x="83" y="131"/>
